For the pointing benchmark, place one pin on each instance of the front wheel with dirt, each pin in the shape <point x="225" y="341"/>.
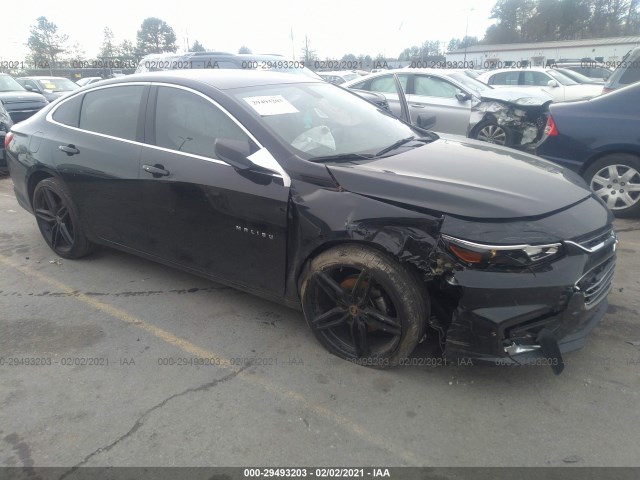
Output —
<point x="364" y="306"/>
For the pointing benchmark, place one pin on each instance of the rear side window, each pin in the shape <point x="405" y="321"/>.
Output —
<point x="536" y="78"/>
<point x="188" y="123"/>
<point x="68" y="113"/>
<point x="505" y="78"/>
<point x="112" y="111"/>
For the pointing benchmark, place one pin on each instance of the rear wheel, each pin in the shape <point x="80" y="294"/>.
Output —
<point x="364" y="306"/>
<point x="616" y="180"/>
<point x="491" y="132"/>
<point x="58" y="220"/>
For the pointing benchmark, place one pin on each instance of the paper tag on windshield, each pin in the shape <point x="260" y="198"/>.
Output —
<point x="271" y="105"/>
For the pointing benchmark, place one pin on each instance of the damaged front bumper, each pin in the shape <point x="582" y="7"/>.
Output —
<point x="533" y="316"/>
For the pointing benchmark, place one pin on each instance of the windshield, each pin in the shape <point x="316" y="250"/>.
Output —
<point x="475" y="85"/>
<point x="562" y="79"/>
<point x="56" y="84"/>
<point x="8" y="84"/>
<point x="322" y="120"/>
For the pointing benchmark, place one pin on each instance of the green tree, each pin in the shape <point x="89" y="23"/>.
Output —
<point x="308" y="55"/>
<point x="45" y="43"/>
<point x="155" y="36"/>
<point x="244" y="49"/>
<point x="108" y="49"/>
<point x="197" y="47"/>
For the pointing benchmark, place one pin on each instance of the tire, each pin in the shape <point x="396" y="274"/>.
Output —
<point x="363" y="306"/>
<point x="611" y="177"/>
<point x="58" y="220"/>
<point x="491" y="132"/>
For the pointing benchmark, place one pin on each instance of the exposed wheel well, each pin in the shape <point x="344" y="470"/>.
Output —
<point x="35" y="179"/>
<point x="412" y="269"/>
<point x="598" y="156"/>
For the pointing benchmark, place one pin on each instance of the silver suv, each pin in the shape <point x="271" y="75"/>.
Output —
<point x="627" y="72"/>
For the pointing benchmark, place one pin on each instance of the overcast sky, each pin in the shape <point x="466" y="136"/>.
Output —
<point x="333" y="27"/>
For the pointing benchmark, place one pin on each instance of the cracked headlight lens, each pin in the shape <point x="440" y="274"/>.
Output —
<point x="481" y="255"/>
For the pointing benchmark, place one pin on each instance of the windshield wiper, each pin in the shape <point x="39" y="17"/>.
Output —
<point x="343" y="157"/>
<point x="401" y="142"/>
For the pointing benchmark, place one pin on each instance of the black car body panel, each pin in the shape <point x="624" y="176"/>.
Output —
<point x="465" y="185"/>
<point x="257" y="229"/>
<point x="589" y="129"/>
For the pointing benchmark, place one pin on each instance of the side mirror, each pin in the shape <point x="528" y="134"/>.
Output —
<point x="552" y="83"/>
<point x="234" y="152"/>
<point x="29" y="88"/>
<point x="463" y="97"/>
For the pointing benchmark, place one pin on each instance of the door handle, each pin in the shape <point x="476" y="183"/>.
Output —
<point x="156" y="170"/>
<point x="417" y="105"/>
<point x="69" y="149"/>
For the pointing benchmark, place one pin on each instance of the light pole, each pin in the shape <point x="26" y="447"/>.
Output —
<point x="466" y="34"/>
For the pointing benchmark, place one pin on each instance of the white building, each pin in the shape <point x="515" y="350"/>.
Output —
<point x="544" y="53"/>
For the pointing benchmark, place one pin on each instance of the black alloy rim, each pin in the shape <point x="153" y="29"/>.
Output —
<point x="354" y="313"/>
<point x="54" y="220"/>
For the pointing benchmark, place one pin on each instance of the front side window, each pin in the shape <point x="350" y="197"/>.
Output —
<point x="188" y="123"/>
<point x="112" y="111"/>
<point x="434" y="87"/>
<point x="384" y="84"/>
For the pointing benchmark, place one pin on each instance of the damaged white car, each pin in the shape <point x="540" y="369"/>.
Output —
<point x="448" y="101"/>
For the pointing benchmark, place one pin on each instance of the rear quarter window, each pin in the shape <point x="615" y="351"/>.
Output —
<point x="68" y="113"/>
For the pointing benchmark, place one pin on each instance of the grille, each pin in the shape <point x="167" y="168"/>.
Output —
<point x="597" y="240"/>
<point x="596" y="283"/>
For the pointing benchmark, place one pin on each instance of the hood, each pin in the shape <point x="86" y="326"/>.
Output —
<point x="522" y="97"/>
<point x="466" y="178"/>
<point x="21" y="97"/>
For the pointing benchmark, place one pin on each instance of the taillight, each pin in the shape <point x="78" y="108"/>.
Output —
<point x="550" y="130"/>
<point x="7" y="139"/>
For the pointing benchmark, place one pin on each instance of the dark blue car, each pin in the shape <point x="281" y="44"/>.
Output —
<point x="600" y="139"/>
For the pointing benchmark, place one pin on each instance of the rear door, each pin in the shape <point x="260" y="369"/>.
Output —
<point x="96" y="147"/>
<point x="201" y="213"/>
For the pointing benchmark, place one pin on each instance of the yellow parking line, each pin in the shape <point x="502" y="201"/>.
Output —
<point x="318" y="409"/>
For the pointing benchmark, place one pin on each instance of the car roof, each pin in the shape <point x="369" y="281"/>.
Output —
<point x="41" y="77"/>
<point x="523" y="69"/>
<point x="222" y="79"/>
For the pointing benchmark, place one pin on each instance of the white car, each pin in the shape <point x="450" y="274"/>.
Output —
<point x="559" y="86"/>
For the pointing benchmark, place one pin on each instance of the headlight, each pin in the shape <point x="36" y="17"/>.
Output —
<point x="480" y="255"/>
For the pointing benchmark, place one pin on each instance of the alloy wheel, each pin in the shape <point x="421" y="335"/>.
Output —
<point x="492" y="134"/>
<point x="354" y="313"/>
<point x="54" y="220"/>
<point x="618" y="185"/>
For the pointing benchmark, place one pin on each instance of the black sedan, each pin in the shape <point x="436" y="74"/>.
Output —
<point x="600" y="139"/>
<point x="303" y="193"/>
<point x="18" y="102"/>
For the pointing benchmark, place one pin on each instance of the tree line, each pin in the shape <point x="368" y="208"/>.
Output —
<point x="515" y="21"/>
